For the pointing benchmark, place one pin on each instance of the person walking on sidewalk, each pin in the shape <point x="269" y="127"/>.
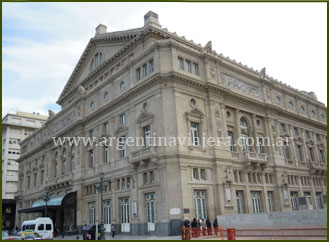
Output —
<point x="113" y="230"/>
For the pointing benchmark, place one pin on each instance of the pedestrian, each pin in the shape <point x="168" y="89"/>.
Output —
<point x="198" y="228"/>
<point x="203" y="227"/>
<point x="208" y="223"/>
<point x="113" y="230"/>
<point x="186" y="223"/>
<point x="194" y="227"/>
<point x="215" y="224"/>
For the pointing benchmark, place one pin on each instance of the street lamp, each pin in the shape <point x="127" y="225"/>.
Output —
<point x="100" y="188"/>
<point x="46" y="198"/>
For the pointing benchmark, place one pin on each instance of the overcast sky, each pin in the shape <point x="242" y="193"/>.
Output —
<point x="42" y="42"/>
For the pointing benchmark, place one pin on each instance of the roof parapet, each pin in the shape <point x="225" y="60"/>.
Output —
<point x="100" y="29"/>
<point x="151" y="18"/>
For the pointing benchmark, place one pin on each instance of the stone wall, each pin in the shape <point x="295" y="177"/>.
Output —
<point x="301" y="218"/>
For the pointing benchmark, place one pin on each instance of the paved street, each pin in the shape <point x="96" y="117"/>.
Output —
<point x="128" y="237"/>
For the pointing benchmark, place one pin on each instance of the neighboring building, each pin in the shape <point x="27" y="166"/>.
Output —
<point x="15" y="128"/>
<point x="147" y="80"/>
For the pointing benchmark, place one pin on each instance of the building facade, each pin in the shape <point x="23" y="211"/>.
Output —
<point x="15" y="128"/>
<point x="149" y="82"/>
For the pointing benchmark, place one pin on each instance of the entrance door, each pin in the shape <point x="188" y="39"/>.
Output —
<point x="294" y="200"/>
<point x="151" y="211"/>
<point x="239" y="201"/>
<point x="319" y="200"/>
<point x="200" y="204"/>
<point x="107" y="216"/>
<point x="125" y="218"/>
<point x="256" y="202"/>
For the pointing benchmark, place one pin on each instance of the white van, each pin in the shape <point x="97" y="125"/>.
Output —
<point x="43" y="226"/>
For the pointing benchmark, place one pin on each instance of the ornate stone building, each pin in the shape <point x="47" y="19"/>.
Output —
<point x="147" y="80"/>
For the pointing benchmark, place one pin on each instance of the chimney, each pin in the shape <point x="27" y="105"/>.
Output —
<point x="100" y="29"/>
<point x="151" y="18"/>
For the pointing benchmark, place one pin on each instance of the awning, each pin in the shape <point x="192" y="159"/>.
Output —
<point x="54" y="201"/>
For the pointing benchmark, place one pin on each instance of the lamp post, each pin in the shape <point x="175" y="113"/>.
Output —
<point x="100" y="185"/>
<point x="46" y="198"/>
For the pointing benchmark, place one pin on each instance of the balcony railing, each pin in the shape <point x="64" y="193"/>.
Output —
<point x="252" y="158"/>
<point x="143" y="154"/>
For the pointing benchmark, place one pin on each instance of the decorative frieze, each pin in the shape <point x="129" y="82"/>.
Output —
<point x="240" y="85"/>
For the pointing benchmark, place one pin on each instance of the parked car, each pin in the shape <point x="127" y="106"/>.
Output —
<point x="29" y="235"/>
<point x="43" y="226"/>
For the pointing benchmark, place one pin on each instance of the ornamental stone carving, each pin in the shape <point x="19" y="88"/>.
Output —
<point x="240" y="85"/>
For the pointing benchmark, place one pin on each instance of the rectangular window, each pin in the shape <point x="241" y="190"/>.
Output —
<point x="296" y="131"/>
<point x="123" y="183"/>
<point x="311" y="153"/>
<point x="299" y="152"/>
<point x="151" y="64"/>
<point x="152" y="176"/>
<point x="118" y="184"/>
<point x="180" y="63"/>
<point x="194" y="134"/>
<point x="123" y="118"/>
<point x="145" y="70"/>
<point x="147" y="135"/>
<point x="241" y="178"/>
<point x="322" y="160"/>
<point x="196" y="69"/>
<point x="249" y="178"/>
<point x="202" y="174"/>
<point x="64" y="162"/>
<point x="283" y="127"/>
<point x="106" y="154"/>
<point x="48" y="226"/>
<point x="139" y="74"/>
<point x="128" y="181"/>
<point x="230" y="135"/>
<point x="271" y="179"/>
<point x="106" y="127"/>
<point x="188" y="66"/>
<point x="91" y="212"/>
<point x="259" y="179"/>
<point x="307" y="134"/>
<point x="91" y="134"/>
<point x="195" y="174"/>
<point x="286" y="151"/>
<point x="91" y="159"/>
<point x="266" y="178"/>
<point x="122" y="146"/>
<point x="41" y="227"/>
<point x="146" y="178"/>
<point x="260" y="145"/>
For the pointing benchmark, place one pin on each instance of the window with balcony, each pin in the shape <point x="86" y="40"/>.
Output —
<point x="147" y="135"/>
<point x="106" y="155"/>
<point x="310" y="151"/>
<point x="91" y="159"/>
<point x="230" y="135"/>
<point x="123" y="119"/>
<point x="244" y="134"/>
<point x="194" y="134"/>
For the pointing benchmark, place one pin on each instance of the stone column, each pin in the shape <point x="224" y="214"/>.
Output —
<point x="247" y="202"/>
<point x="293" y="145"/>
<point x="254" y="132"/>
<point x="268" y="131"/>
<point x="304" y="146"/>
<point x="316" y="150"/>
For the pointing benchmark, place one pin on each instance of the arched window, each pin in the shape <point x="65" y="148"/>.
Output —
<point x="96" y="61"/>
<point x="244" y="134"/>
